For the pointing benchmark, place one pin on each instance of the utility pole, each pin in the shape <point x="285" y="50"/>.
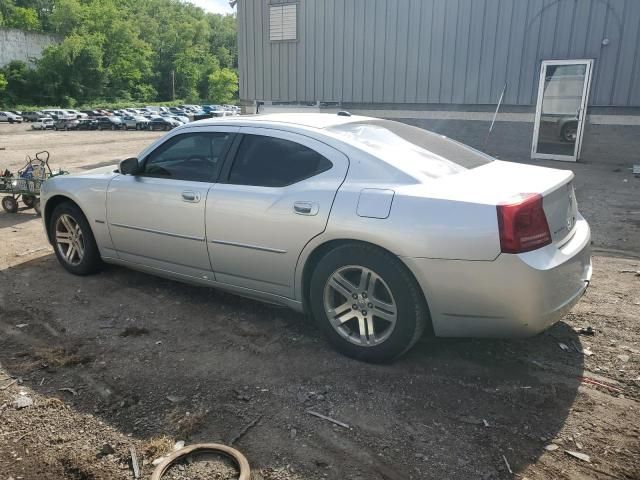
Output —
<point x="173" y="85"/>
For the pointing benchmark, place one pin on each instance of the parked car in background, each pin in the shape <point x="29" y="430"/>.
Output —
<point x="59" y="114"/>
<point x="78" y="114"/>
<point x="180" y="118"/>
<point x="10" y="117"/>
<point x="136" y="122"/>
<point x="66" y="124"/>
<point x="378" y="229"/>
<point x="109" y="123"/>
<point x="215" y="111"/>
<point x="87" y="124"/>
<point x="33" y="116"/>
<point x="230" y="109"/>
<point x="163" y="123"/>
<point x="92" y="113"/>
<point x="45" y="123"/>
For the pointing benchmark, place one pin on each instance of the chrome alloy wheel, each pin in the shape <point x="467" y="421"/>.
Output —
<point x="69" y="239"/>
<point x="360" y="306"/>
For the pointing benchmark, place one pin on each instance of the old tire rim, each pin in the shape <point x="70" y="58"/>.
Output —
<point x="69" y="239"/>
<point x="360" y="305"/>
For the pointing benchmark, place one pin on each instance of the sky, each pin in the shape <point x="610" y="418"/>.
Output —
<point x="214" y="6"/>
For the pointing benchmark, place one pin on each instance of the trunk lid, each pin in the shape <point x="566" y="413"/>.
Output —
<point x="502" y="182"/>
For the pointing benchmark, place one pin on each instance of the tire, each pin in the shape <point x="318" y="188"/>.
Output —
<point x="113" y="127"/>
<point x="67" y="215"/>
<point x="28" y="200"/>
<point x="569" y="132"/>
<point x="36" y="207"/>
<point x="10" y="204"/>
<point x="392" y="288"/>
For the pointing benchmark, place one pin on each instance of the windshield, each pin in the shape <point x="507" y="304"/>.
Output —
<point x="411" y="148"/>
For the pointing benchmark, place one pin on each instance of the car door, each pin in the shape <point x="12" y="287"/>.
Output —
<point x="271" y="200"/>
<point x="157" y="217"/>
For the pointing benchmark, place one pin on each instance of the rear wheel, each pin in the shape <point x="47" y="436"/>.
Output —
<point x="73" y="240"/>
<point x="9" y="204"/>
<point x="367" y="303"/>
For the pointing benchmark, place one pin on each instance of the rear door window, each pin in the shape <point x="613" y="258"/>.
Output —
<point x="274" y="162"/>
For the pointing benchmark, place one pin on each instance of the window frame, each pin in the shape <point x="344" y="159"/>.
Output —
<point x="176" y="138"/>
<point x="232" y="157"/>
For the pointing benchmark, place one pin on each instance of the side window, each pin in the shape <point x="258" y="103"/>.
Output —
<point x="274" y="162"/>
<point x="193" y="156"/>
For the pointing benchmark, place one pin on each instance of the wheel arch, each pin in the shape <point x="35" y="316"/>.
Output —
<point x="320" y="250"/>
<point x="50" y="206"/>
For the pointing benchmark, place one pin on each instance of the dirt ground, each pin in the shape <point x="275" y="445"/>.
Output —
<point x="123" y="359"/>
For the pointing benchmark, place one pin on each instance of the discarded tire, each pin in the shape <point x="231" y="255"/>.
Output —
<point x="239" y="459"/>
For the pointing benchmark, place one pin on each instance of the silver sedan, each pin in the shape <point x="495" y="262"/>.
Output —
<point x="378" y="229"/>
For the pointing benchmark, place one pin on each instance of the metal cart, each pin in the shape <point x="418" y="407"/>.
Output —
<point x="26" y="185"/>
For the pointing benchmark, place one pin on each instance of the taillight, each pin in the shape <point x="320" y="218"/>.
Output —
<point x="523" y="225"/>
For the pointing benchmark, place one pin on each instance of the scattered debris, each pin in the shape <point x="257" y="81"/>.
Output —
<point x="178" y="445"/>
<point x="70" y="390"/>
<point x="563" y="346"/>
<point x="134" y="463"/>
<point x="551" y="447"/>
<point x="105" y="450"/>
<point x="486" y="424"/>
<point x="587" y="351"/>
<point x="22" y="325"/>
<point x="623" y="357"/>
<point x="635" y="272"/>
<point x="581" y="456"/>
<point x="175" y="398"/>
<point x="592" y="381"/>
<point x="585" y="331"/>
<point x="328" y="419"/>
<point x="4" y="387"/>
<point x="242" y="432"/>
<point x="22" y="402"/>
<point x="159" y="342"/>
<point x="134" y="332"/>
<point x="507" y="464"/>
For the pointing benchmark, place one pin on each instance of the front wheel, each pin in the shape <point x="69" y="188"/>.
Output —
<point x="367" y="303"/>
<point x="73" y="240"/>
<point x="28" y="200"/>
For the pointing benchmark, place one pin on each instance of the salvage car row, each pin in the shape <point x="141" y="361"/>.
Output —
<point x="148" y="118"/>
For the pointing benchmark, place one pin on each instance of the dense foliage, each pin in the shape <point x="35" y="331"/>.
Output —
<point x="121" y="50"/>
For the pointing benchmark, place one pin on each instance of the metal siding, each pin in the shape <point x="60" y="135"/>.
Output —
<point x="390" y="51"/>
<point x="347" y="80"/>
<point x="358" y="49"/>
<point x="369" y="53"/>
<point x="402" y="52"/>
<point x="628" y="50"/>
<point x="462" y="54"/>
<point x="328" y="67"/>
<point x="436" y="51"/>
<point x="489" y="29"/>
<point x="380" y="40"/>
<point x="424" y="53"/>
<point x="413" y="51"/>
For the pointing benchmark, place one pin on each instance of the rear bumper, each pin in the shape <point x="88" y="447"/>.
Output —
<point x="512" y="296"/>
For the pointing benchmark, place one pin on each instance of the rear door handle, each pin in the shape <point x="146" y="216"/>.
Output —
<point x="306" y="208"/>
<point x="189" y="196"/>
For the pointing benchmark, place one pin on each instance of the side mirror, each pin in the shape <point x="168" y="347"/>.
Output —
<point x="129" y="166"/>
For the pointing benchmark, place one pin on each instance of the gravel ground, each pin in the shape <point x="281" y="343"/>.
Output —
<point x="124" y="359"/>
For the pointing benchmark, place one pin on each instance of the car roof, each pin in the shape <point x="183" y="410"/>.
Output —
<point x="309" y="120"/>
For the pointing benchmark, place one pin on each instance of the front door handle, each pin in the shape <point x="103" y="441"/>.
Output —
<point x="189" y="196"/>
<point x="306" y="208"/>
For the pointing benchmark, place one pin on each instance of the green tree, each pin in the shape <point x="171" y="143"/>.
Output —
<point x="3" y="88"/>
<point x="23" y="18"/>
<point x="223" y="86"/>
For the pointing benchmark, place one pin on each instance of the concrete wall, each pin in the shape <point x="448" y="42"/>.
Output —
<point x="437" y="51"/>
<point x="20" y="45"/>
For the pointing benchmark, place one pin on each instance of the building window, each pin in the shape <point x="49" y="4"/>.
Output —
<point x="283" y="22"/>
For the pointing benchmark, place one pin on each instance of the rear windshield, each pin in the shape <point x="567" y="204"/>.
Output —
<point x="411" y="148"/>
